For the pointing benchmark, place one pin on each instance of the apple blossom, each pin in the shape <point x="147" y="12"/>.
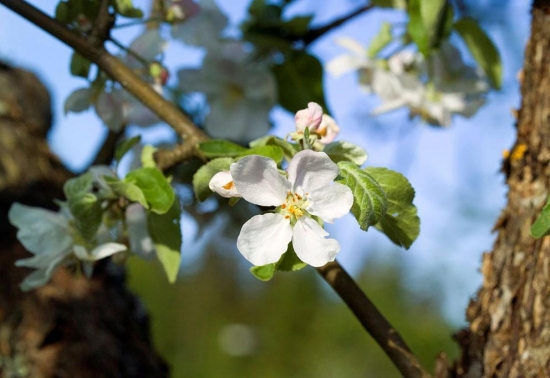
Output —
<point x="222" y="183"/>
<point x="239" y="90"/>
<point x="308" y="191"/>
<point x="203" y="29"/>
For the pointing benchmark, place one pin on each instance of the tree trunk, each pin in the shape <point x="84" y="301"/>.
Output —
<point x="509" y="332"/>
<point x="71" y="327"/>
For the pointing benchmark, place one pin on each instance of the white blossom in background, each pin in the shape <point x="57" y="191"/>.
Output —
<point x="47" y="235"/>
<point x="239" y="91"/>
<point x="355" y="59"/>
<point x="138" y="233"/>
<point x="222" y="183"/>
<point x="308" y="191"/>
<point x="204" y="28"/>
<point x="433" y="90"/>
<point x="116" y="107"/>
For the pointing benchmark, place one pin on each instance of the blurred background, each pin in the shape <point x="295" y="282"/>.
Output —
<point x="218" y="320"/>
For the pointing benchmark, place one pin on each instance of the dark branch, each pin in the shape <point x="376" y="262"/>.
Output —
<point x="313" y="34"/>
<point x="372" y="320"/>
<point x="106" y="153"/>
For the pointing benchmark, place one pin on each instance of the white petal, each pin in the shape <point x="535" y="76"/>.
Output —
<point x="99" y="252"/>
<point x="78" y="101"/>
<point x="309" y="170"/>
<point x="309" y="242"/>
<point x="222" y="183"/>
<point x="310" y="117"/>
<point x="330" y="202"/>
<point x="258" y="181"/>
<point x="343" y="64"/>
<point x="148" y="46"/>
<point x="109" y="107"/>
<point x="138" y="234"/>
<point x="352" y="45"/>
<point x="40" y="231"/>
<point x="328" y="129"/>
<point x="264" y="238"/>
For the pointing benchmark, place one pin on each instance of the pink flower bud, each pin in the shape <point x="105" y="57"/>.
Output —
<point x="310" y="117"/>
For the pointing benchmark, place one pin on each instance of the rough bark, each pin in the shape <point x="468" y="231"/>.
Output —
<point x="71" y="327"/>
<point x="509" y="331"/>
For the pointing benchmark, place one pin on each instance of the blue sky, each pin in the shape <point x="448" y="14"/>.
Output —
<point x="455" y="171"/>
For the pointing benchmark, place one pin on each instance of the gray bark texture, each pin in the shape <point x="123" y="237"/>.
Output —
<point x="509" y="319"/>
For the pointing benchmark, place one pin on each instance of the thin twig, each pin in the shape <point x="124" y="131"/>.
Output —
<point x="372" y="320"/>
<point x="106" y="153"/>
<point x="102" y="25"/>
<point x="314" y="34"/>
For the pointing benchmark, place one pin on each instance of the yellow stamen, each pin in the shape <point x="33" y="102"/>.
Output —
<point x="230" y="185"/>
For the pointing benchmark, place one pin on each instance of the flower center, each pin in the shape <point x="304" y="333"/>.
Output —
<point x="294" y="206"/>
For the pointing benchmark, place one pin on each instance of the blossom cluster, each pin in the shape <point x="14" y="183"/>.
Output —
<point x="433" y="89"/>
<point x="55" y="240"/>
<point x="303" y="198"/>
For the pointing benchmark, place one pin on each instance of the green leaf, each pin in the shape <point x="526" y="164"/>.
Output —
<point x="432" y="13"/>
<point x="204" y="174"/>
<point x="80" y="66"/>
<point x="381" y="40"/>
<point x="541" y="227"/>
<point x="126" y="9"/>
<point x="264" y="272"/>
<point x="416" y="28"/>
<point x="400" y="223"/>
<point x="272" y="152"/>
<point x="482" y="49"/>
<point x="125" y="146"/>
<point x="127" y="190"/>
<point x="165" y="232"/>
<point x="345" y="151"/>
<point x="397" y="4"/>
<point x="220" y="148"/>
<point x="290" y="262"/>
<point x="298" y="26"/>
<point x="148" y="156"/>
<point x="369" y="199"/>
<point x="270" y="140"/>
<point x="155" y="187"/>
<point x="299" y="81"/>
<point x="62" y="12"/>
<point x="78" y="186"/>
<point x="87" y="213"/>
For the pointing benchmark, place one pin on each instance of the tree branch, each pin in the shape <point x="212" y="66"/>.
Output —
<point x="313" y="34"/>
<point x="372" y="320"/>
<point x="363" y="309"/>
<point x="167" y="111"/>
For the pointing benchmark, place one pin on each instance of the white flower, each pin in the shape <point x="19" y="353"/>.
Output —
<point x="222" y="183"/>
<point x="203" y="29"/>
<point x="309" y="190"/>
<point x="240" y="92"/>
<point x="45" y="234"/>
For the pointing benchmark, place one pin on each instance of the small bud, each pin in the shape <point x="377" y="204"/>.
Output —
<point x="222" y="183"/>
